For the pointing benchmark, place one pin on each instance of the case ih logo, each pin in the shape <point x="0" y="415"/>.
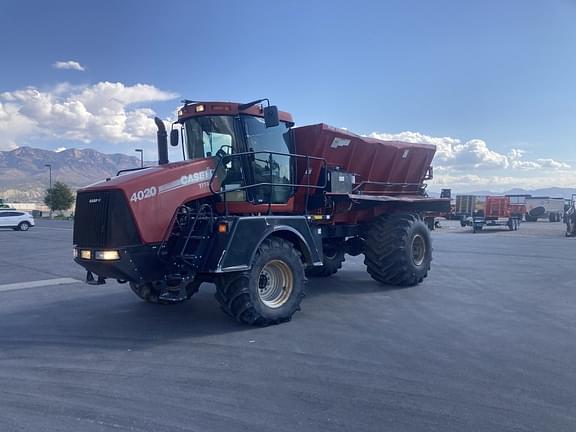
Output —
<point x="197" y="177"/>
<point x="187" y="180"/>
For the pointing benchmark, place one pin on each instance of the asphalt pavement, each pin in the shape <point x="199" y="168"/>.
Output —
<point x="486" y="343"/>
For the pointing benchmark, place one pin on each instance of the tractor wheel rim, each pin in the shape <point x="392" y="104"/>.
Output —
<point x="418" y="249"/>
<point x="275" y="284"/>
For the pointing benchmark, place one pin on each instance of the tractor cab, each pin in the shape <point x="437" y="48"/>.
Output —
<point x="250" y="143"/>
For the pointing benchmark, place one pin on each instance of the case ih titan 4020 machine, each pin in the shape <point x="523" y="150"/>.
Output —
<point x="254" y="207"/>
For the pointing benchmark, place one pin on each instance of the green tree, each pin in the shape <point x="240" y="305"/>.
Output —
<point x="60" y="197"/>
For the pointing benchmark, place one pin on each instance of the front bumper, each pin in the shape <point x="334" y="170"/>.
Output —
<point x="135" y="263"/>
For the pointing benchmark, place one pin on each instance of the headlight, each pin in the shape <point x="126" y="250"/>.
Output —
<point x="85" y="254"/>
<point x="109" y="255"/>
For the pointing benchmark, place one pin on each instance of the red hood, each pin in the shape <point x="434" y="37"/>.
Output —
<point x="153" y="194"/>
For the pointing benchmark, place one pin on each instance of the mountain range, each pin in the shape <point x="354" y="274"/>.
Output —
<point x="24" y="176"/>
<point x="553" y="192"/>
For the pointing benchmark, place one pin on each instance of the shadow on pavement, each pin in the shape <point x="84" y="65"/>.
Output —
<point x="352" y="283"/>
<point x="114" y="320"/>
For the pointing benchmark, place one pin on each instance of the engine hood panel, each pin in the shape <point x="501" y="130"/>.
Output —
<point x="153" y="194"/>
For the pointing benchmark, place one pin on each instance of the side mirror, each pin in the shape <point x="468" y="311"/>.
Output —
<point x="174" y="137"/>
<point x="271" y="116"/>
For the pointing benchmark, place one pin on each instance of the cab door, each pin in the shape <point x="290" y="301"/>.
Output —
<point x="267" y="165"/>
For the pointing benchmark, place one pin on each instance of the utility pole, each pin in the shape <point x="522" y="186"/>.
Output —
<point x="141" y="151"/>
<point x="50" y="189"/>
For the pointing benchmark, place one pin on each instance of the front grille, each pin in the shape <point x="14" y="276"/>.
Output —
<point x="102" y="219"/>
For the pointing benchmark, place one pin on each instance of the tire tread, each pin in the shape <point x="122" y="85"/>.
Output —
<point x="385" y="257"/>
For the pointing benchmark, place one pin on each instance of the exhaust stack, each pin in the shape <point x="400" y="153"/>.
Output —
<point x="162" y="138"/>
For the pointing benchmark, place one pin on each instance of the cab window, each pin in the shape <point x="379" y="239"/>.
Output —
<point x="269" y="167"/>
<point x="207" y="134"/>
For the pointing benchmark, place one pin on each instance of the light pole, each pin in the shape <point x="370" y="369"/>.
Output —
<point x="51" y="195"/>
<point x="141" y="151"/>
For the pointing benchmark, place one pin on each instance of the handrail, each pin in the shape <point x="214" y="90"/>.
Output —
<point x="307" y="173"/>
<point x="130" y="169"/>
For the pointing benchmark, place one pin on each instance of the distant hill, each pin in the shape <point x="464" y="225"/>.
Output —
<point x="24" y="176"/>
<point x="554" y="192"/>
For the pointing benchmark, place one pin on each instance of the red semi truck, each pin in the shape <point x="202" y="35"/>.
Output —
<point x="256" y="205"/>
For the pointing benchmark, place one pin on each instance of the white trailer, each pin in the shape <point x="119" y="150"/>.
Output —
<point x="544" y="208"/>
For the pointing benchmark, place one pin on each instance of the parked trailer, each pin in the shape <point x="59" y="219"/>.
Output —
<point x="518" y="204"/>
<point x="544" y="208"/>
<point x="496" y="212"/>
<point x="467" y="206"/>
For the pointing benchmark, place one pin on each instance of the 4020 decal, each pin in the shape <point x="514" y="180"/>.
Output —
<point x="148" y="192"/>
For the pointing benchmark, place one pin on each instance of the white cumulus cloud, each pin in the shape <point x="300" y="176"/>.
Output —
<point x="452" y="151"/>
<point x="475" y="153"/>
<point x="551" y="163"/>
<point x="70" y="64"/>
<point x="472" y="164"/>
<point x="106" y="111"/>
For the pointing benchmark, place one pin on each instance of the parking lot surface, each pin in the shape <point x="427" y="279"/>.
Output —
<point x="486" y="343"/>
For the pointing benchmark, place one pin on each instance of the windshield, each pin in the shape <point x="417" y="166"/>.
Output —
<point x="208" y="134"/>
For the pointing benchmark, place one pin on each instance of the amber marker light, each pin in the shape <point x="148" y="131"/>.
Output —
<point x="223" y="228"/>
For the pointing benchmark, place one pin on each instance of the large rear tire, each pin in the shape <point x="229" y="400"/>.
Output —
<point x="398" y="250"/>
<point x="159" y="293"/>
<point x="331" y="262"/>
<point x="271" y="292"/>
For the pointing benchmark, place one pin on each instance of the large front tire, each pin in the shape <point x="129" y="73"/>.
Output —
<point x="398" y="250"/>
<point x="269" y="293"/>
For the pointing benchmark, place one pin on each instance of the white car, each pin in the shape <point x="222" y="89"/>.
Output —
<point x="16" y="219"/>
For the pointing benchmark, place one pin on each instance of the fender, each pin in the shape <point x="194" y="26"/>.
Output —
<point x="249" y="233"/>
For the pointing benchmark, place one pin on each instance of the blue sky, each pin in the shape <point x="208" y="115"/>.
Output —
<point x="459" y="74"/>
